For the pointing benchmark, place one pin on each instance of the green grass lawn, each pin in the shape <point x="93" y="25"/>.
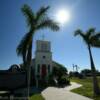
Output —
<point x="86" y="89"/>
<point x="36" y="97"/>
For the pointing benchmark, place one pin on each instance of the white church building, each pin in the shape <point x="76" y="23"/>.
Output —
<point x="42" y="64"/>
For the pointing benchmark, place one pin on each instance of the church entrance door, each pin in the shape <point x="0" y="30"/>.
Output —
<point x="44" y="72"/>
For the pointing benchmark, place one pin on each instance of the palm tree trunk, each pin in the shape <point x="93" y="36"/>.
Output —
<point x="29" y="58"/>
<point x="24" y="62"/>
<point x="96" y="89"/>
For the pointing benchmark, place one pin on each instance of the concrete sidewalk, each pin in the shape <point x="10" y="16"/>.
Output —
<point x="53" y="93"/>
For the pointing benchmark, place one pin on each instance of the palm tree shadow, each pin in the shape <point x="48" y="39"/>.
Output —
<point x="35" y="90"/>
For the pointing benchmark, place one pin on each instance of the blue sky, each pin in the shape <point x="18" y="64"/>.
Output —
<point x="66" y="48"/>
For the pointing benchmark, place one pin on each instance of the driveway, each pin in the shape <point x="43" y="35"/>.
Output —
<point x="53" y="93"/>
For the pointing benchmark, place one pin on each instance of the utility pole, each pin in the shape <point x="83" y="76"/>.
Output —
<point x="76" y="68"/>
<point x="73" y="67"/>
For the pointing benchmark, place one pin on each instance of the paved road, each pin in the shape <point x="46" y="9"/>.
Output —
<point x="52" y="93"/>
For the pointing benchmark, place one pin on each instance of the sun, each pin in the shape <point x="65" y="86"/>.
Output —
<point x="63" y="16"/>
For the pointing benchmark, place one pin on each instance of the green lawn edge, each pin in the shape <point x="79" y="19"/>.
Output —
<point x="37" y="97"/>
<point x="86" y="89"/>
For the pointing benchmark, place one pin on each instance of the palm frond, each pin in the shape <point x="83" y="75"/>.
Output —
<point x="48" y="23"/>
<point x="95" y="43"/>
<point x="27" y="11"/>
<point x="41" y="13"/>
<point x="23" y="45"/>
<point x="90" y="32"/>
<point x="20" y="49"/>
<point x="96" y="36"/>
<point x="95" y="40"/>
<point x="78" y="32"/>
<point x="83" y="35"/>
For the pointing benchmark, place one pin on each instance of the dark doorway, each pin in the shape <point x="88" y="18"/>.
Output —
<point x="44" y="72"/>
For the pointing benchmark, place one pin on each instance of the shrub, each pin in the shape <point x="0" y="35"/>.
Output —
<point x="51" y="81"/>
<point x="63" y="81"/>
<point x="59" y="70"/>
<point x="42" y="83"/>
<point x="81" y="76"/>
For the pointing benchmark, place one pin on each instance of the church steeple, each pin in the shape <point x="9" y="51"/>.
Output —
<point x="43" y="58"/>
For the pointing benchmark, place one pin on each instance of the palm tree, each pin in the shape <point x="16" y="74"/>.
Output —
<point x="35" y="21"/>
<point x="91" y="39"/>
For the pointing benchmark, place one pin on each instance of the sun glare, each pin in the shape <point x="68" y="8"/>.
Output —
<point x="62" y="16"/>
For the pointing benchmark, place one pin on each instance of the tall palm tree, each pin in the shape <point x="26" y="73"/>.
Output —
<point x="92" y="39"/>
<point x="35" y="21"/>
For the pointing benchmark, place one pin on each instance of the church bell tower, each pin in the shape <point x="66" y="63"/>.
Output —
<point x="43" y="59"/>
